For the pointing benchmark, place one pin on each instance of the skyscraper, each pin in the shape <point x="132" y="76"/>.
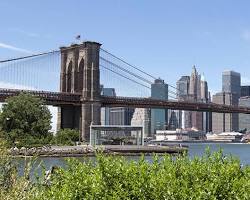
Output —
<point x="105" y="112"/>
<point x="195" y="95"/>
<point x="120" y="116"/>
<point x="141" y="117"/>
<point x="159" y="117"/>
<point x="245" y="90"/>
<point x="182" y="85"/>
<point x="231" y="86"/>
<point x="173" y="121"/>
<point x="194" y="88"/>
<point x="205" y="98"/>
<point x="231" y="82"/>
<point x="244" y="119"/>
<point x="225" y="122"/>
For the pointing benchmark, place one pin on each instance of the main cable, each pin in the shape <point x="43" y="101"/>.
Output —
<point x="129" y="79"/>
<point x="135" y="67"/>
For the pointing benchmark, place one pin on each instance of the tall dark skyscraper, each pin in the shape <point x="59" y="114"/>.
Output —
<point x="159" y="117"/>
<point x="183" y="87"/>
<point x="231" y="82"/>
<point x="245" y="91"/>
<point x="231" y="92"/>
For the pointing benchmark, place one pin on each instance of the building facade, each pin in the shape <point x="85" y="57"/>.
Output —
<point x="182" y="85"/>
<point x="225" y="122"/>
<point x="231" y="82"/>
<point x="231" y="92"/>
<point x="194" y="88"/>
<point x="141" y="117"/>
<point x="105" y="112"/>
<point x="159" y="117"/>
<point x="120" y="116"/>
<point x="195" y="96"/>
<point x="244" y="119"/>
<point x="245" y="91"/>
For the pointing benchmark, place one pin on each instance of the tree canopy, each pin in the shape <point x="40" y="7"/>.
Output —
<point x="25" y="117"/>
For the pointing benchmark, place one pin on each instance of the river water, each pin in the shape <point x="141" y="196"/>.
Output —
<point x="242" y="151"/>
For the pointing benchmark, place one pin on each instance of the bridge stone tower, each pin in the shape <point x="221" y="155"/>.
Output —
<point x="80" y="74"/>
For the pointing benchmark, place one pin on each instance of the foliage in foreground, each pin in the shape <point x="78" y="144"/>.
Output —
<point x="25" y="120"/>
<point x="209" y="177"/>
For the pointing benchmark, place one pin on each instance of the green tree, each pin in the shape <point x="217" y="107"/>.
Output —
<point x="25" y="117"/>
<point x="67" y="136"/>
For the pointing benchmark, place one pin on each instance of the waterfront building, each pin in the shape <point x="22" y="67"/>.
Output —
<point x="244" y="119"/>
<point x="141" y="117"/>
<point x="171" y="135"/>
<point x="245" y="90"/>
<point x="225" y="122"/>
<point x="105" y="112"/>
<point x="225" y="137"/>
<point x="179" y="135"/>
<point x="159" y="117"/>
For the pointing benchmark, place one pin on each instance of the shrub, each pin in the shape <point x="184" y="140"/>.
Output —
<point x="209" y="177"/>
<point x="67" y="137"/>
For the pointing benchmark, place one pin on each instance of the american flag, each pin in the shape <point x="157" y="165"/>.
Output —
<point x="78" y="37"/>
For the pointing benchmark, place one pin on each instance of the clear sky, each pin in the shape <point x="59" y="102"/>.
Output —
<point x="165" y="38"/>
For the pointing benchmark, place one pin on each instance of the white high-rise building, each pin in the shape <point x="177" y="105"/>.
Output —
<point x="141" y="117"/>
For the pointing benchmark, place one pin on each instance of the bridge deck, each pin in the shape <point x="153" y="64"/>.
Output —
<point x="62" y="98"/>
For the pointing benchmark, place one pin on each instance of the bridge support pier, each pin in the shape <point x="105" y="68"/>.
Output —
<point x="90" y="116"/>
<point x="80" y="74"/>
<point x="69" y="117"/>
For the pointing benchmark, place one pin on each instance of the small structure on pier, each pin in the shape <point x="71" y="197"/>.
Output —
<point x="116" y="135"/>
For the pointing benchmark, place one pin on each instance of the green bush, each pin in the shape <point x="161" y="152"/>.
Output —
<point x="67" y="137"/>
<point x="209" y="177"/>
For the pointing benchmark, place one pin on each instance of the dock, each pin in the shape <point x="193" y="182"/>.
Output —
<point x="147" y="150"/>
<point x="87" y="150"/>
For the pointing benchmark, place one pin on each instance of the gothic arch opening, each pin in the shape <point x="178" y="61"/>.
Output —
<point x="76" y="82"/>
<point x="69" y="77"/>
<point x="80" y="75"/>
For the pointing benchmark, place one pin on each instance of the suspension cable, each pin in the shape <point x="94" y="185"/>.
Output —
<point x="135" y="67"/>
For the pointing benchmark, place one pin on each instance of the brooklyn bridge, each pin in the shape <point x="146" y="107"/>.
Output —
<point x="71" y="79"/>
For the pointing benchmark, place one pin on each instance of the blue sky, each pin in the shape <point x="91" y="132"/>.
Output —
<point x="165" y="38"/>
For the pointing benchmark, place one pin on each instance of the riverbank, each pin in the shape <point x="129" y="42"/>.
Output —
<point x="87" y="150"/>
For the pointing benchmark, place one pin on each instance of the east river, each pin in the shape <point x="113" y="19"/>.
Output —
<point x="242" y="151"/>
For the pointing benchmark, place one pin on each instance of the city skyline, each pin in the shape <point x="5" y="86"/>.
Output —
<point x="180" y="36"/>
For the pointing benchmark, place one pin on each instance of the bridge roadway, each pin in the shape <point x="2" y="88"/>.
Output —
<point x="75" y="99"/>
